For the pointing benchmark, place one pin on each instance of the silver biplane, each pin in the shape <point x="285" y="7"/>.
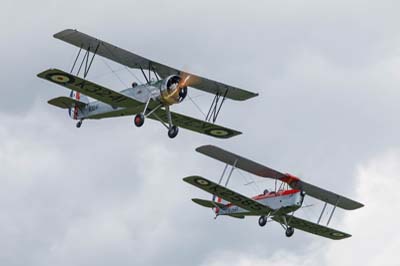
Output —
<point x="153" y="99"/>
<point x="278" y="205"/>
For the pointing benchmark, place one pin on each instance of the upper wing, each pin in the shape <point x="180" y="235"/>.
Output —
<point x="132" y="60"/>
<point x="196" y="125"/>
<point x="66" y="102"/>
<point x="241" y="162"/>
<point x="227" y="194"/>
<point x="312" y="228"/>
<point x="264" y="171"/>
<point x="325" y="195"/>
<point x="88" y="88"/>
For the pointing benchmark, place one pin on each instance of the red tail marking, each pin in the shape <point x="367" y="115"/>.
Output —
<point x="78" y="97"/>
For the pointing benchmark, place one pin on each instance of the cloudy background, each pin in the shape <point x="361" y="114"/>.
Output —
<point x="111" y="194"/>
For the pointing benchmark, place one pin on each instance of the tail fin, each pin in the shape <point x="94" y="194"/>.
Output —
<point x="219" y="201"/>
<point x="74" y="111"/>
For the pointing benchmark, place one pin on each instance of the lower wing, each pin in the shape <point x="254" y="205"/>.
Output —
<point x="196" y="125"/>
<point x="89" y="88"/>
<point x="311" y="227"/>
<point x="228" y="195"/>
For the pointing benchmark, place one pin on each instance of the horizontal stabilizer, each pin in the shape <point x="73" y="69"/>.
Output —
<point x="311" y="227"/>
<point x="238" y="216"/>
<point x="264" y="171"/>
<point x="195" y="125"/>
<point x="228" y="195"/>
<point x="209" y="203"/>
<point x="66" y="102"/>
<point x="88" y="88"/>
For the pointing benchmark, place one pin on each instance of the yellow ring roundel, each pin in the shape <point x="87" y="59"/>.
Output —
<point x="202" y="182"/>
<point x="337" y="234"/>
<point x="60" y="78"/>
<point x="219" y="132"/>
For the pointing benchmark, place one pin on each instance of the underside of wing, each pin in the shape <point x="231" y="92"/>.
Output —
<point x="132" y="60"/>
<point x="239" y="161"/>
<point x="207" y="85"/>
<point x="66" y="102"/>
<point x="107" y="50"/>
<point x="196" y="125"/>
<point x="228" y="195"/>
<point x="326" y="195"/>
<point x="312" y="228"/>
<point x="88" y="88"/>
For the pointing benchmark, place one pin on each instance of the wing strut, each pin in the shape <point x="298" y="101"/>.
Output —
<point x="227" y="178"/>
<point x="331" y="215"/>
<point x="216" y="107"/>
<point x="85" y="60"/>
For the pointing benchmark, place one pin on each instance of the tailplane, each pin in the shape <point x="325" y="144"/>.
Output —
<point x="75" y="103"/>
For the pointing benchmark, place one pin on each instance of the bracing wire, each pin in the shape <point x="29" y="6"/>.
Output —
<point x="114" y="72"/>
<point x="256" y="188"/>
<point x="133" y="75"/>
<point x="197" y="106"/>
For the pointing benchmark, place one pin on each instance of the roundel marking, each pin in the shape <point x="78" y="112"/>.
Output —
<point x="219" y="133"/>
<point x="60" y="78"/>
<point x="337" y="234"/>
<point x="202" y="182"/>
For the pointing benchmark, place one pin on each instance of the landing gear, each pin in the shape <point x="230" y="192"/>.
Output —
<point x="79" y="124"/>
<point x="173" y="132"/>
<point x="139" y="120"/>
<point x="262" y="221"/>
<point x="289" y="231"/>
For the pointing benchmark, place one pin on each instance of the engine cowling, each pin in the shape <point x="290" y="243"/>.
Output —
<point x="173" y="90"/>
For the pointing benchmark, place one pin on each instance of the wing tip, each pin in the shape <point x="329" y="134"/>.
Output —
<point x="246" y="97"/>
<point x="59" y="34"/>
<point x="206" y="149"/>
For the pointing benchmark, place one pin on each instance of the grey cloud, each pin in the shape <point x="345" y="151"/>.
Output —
<point x="111" y="193"/>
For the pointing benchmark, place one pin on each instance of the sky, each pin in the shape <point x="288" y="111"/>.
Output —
<point x="110" y="193"/>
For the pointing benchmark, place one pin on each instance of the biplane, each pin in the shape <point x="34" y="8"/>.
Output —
<point x="278" y="205"/>
<point x="164" y="87"/>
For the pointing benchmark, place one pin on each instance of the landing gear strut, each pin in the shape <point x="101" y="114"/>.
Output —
<point x="262" y="221"/>
<point x="172" y="129"/>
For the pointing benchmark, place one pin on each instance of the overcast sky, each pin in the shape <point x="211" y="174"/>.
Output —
<point x="111" y="194"/>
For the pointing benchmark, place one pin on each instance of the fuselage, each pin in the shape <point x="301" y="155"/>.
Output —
<point x="281" y="202"/>
<point x="165" y="92"/>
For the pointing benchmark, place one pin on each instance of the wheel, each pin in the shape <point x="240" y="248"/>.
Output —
<point x="79" y="124"/>
<point x="289" y="231"/>
<point x="139" y="120"/>
<point x="173" y="131"/>
<point x="262" y="221"/>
